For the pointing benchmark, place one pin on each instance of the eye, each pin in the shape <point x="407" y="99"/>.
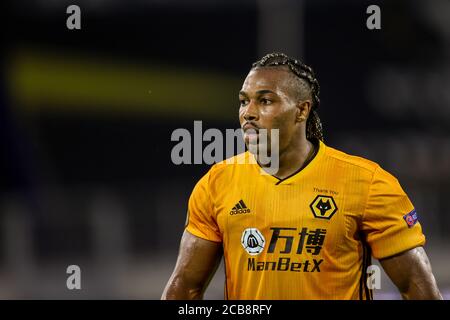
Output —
<point x="266" y="101"/>
<point x="243" y="102"/>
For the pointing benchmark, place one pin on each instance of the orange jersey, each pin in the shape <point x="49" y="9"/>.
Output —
<point x="309" y="236"/>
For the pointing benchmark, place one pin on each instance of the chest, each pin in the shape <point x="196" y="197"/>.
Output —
<point x="290" y="218"/>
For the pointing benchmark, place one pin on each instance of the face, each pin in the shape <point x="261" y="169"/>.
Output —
<point x="268" y="100"/>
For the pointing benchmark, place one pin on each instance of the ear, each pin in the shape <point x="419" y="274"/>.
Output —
<point x="303" y="109"/>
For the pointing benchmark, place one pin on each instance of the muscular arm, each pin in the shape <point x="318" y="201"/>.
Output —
<point x="197" y="262"/>
<point x="411" y="272"/>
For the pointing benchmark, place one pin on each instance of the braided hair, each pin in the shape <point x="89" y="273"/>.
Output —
<point x="305" y="73"/>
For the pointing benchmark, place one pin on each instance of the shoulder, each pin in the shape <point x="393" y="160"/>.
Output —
<point x="237" y="162"/>
<point x="226" y="169"/>
<point x="363" y="172"/>
<point x="351" y="161"/>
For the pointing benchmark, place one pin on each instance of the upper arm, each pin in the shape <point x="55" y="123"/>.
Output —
<point x="411" y="272"/>
<point x="390" y="222"/>
<point x="201" y="246"/>
<point x="197" y="262"/>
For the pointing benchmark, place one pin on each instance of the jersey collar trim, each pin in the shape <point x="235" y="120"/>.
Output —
<point x="298" y="174"/>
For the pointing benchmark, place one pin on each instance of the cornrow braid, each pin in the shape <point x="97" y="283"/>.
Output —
<point x="313" y="124"/>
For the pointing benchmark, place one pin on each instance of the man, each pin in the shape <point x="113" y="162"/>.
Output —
<point x="309" y="231"/>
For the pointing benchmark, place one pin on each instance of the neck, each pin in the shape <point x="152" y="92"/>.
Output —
<point x="294" y="158"/>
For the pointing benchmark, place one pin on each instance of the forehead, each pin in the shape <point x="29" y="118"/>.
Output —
<point x="276" y="79"/>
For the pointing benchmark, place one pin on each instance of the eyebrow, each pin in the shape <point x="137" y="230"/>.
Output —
<point x="259" y="92"/>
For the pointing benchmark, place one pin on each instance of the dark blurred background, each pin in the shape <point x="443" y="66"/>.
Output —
<point x="86" y="118"/>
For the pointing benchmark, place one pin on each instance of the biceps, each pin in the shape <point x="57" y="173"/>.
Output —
<point x="197" y="260"/>
<point x="410" y="265"/>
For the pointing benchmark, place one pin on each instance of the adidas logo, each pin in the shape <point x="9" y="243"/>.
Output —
<point x="240" y="208"/>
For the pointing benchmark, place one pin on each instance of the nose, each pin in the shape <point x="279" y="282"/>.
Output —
<point x="251" y="113"/>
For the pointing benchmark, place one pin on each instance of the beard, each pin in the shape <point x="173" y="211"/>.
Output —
<point x="264" y="146"/>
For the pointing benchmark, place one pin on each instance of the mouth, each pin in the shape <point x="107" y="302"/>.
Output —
<point x="251" y="133"/>
<point x="251" y="127"/>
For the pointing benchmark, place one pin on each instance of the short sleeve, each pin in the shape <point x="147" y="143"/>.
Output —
<point x="390" y="221"/>
<point x="201" y="220"/>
